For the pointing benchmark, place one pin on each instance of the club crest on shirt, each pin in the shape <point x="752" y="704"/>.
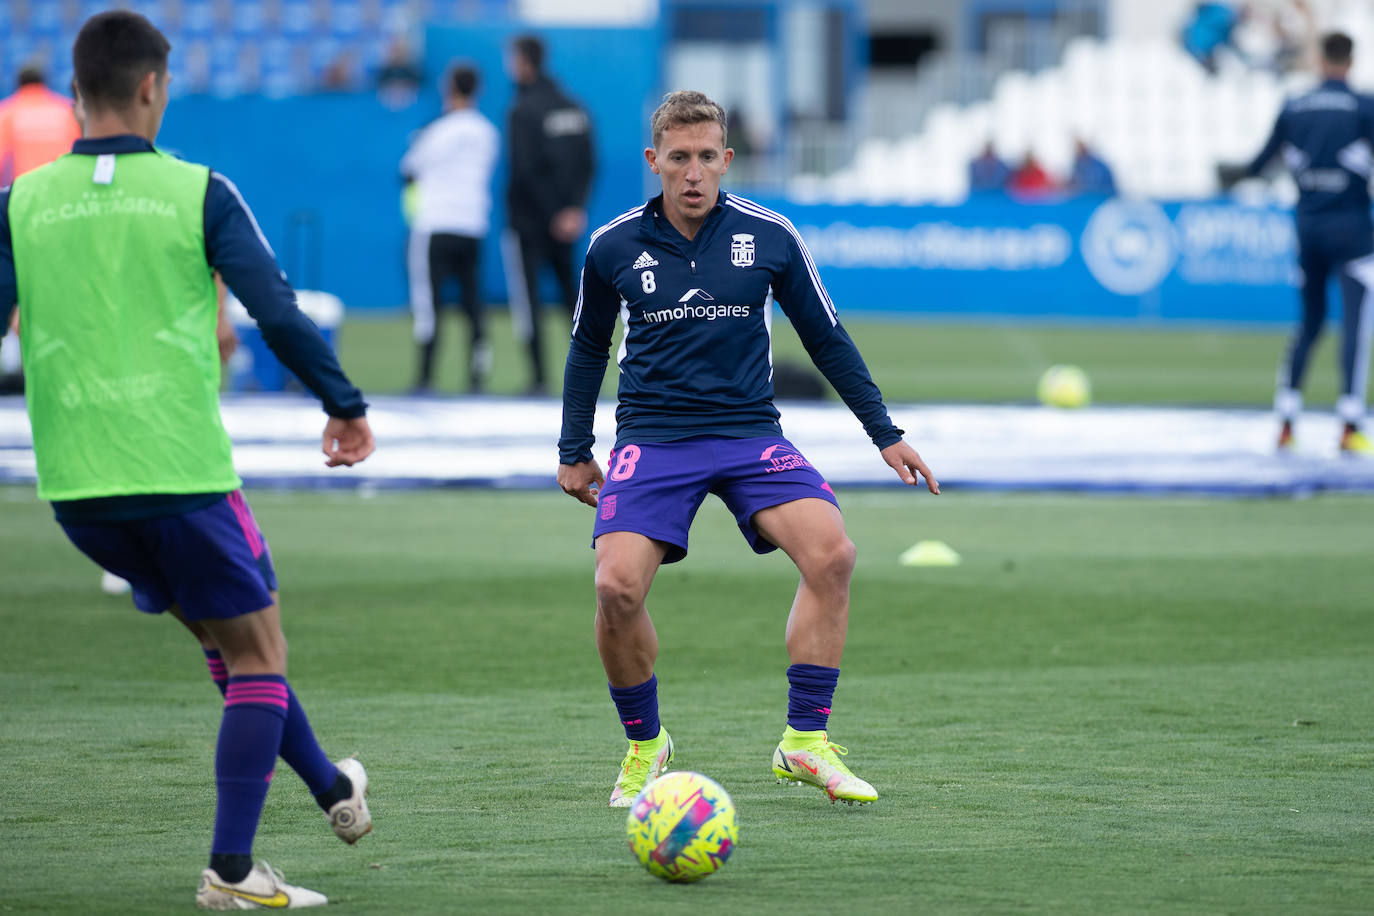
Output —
<point x="742" y="250"/>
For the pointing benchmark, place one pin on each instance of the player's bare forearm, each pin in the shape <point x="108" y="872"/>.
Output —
<point x="908" y="464"/>
<point x="582" y="481"/>
<point x="347" y="442"/>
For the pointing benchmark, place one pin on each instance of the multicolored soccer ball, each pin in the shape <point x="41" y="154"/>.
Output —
<point x="682" y="827"/>
<point x="1065" y="386"/>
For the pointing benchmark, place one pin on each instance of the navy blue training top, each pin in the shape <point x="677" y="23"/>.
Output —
<point x="1326" y="138"/>
<point x="696" y="358"/>
<point x="236" y="247"/>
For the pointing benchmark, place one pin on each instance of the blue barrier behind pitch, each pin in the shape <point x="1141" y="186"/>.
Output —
<point x="321" y="174"/>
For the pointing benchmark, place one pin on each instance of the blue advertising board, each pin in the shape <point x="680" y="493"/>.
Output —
<point x="1079" y="258"/>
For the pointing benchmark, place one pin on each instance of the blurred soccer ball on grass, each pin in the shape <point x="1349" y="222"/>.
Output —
<point x="1065" y="386"/>
<point x="682" y="827"/>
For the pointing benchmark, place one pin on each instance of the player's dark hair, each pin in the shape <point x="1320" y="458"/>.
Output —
<point x="531" y="48"/>
<point x="463" y="80"/>
<point x="1337" y="48"/>
<point x="112" y="53"/>
<point x="30" y="75"/>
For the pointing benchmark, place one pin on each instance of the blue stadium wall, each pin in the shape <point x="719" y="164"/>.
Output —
<point x="321" y="174"/>
<point x="321" y="171"/>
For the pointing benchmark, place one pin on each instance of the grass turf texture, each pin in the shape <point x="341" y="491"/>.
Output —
<point x="923" y="360"/>
<point x="1114" y="705"/>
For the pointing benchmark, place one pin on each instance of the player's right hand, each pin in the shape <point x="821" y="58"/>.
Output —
<point x="582" y="481"/>
<point x="907" y="462"/>
<point x="347" y="442"/>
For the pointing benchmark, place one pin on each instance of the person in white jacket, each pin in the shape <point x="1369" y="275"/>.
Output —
<point x="451" y="164"/>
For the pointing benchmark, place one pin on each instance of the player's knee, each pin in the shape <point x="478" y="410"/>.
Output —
<point x="833" y="566"/>
<point x="618" y="594"/>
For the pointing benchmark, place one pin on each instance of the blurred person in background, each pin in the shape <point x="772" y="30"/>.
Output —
<point x="1209" y="30"/>
<point x="1090" y="173"/>
<point x="36" y="126"/>
<point x="1030" y="182"/>
<point x="451" y="165"/>
<point x="551" y="168"/>
<point x="988" y="172"/>
<point x="127" y="436"/>
<point x="399" y="76"/>
<point x="1327" y="138"/>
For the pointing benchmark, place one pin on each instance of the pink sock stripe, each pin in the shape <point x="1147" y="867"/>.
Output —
<point x="216" y="668"/>
<point x="265" y="689"/>
<point x="256" y="701"/>
<point x="246" y="522"/>
<point x="271" y="690"/>
<point x="255" y="698"/>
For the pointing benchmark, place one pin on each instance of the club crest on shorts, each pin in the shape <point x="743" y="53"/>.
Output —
<point x="607" y="504"/>
<point x="742" y="250"/>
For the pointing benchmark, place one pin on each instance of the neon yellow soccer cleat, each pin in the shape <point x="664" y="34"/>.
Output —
<point x="1354" y="442"/>
<point x="809" y="757"/>
<point x="645" y="762"/>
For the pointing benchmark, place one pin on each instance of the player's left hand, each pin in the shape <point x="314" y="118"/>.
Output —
<point x="347" y="442"/>
<point x="905" y="460"/>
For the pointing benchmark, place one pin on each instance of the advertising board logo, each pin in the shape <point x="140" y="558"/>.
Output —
<point x="1130" y="246"/>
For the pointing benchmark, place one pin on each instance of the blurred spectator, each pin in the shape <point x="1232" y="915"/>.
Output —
<point x="36" y="126"/>
<point x="988" y="172"/>
<point x="451" y="165"/>
<point x="1090" y="174"/>
<point x="1031" y="181"/>
<point x="399" y="76"/>
<point x="551" y="166"/>
<point x="1210" y="30"/>
<point x="338" y="75"/>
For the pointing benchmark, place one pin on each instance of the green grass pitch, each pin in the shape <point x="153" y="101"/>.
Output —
<point x="1113" y="705"/>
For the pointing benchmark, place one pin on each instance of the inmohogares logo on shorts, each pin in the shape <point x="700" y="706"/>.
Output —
<point x="782" y="457"/>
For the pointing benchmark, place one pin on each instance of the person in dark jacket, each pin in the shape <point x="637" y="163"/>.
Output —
<point x="551" y="168"/>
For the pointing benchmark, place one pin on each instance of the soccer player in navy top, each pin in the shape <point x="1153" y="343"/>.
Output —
<point x="694" y="274"/>
<point x="1326" y="139"/>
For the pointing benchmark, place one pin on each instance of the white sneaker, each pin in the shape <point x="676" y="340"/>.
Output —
<point x="350" y="818"/>
<point x="111" y="584"/>
<point x="263" y="889"/>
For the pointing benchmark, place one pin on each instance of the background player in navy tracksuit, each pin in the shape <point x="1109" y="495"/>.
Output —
<point x="694" y="274"/>
<point x="1325" y="139"/>
<point x="551" y="168"/>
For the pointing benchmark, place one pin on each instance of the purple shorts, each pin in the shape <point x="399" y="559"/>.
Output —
<point x="655" y="489"/>
<point x="212" y="562"/>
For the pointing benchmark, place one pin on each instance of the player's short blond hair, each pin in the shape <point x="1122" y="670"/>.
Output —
<point x="684" y="107"/>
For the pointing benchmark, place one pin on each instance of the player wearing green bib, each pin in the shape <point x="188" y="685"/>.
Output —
<point x="110" y="251"/>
